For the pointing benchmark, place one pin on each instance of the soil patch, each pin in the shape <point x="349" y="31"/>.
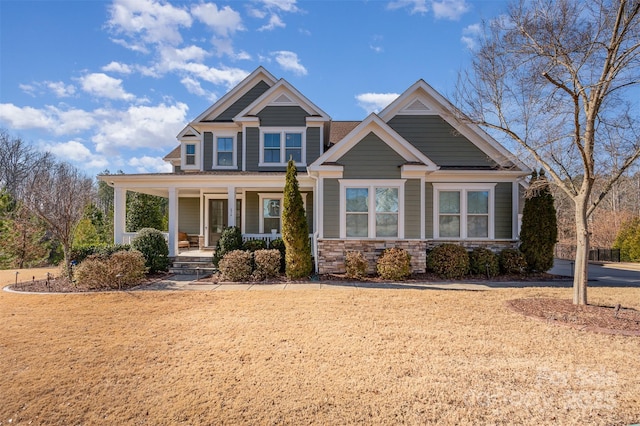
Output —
<point x="603" y="319"/>
<point x="57" y="284"/>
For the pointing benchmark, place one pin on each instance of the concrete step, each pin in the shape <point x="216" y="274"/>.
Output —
<point x="201" y="272"/>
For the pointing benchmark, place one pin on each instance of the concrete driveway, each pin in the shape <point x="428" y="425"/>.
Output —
<point x="608" y="274"/>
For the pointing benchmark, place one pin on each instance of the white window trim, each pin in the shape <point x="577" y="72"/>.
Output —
<point x="463" y="188"/>
<point x="371" y="185"/>
<point x="275" y="196"/>
<point x="234" y="155"/>
<point x="283" y="131"/>
<point x="183" y="160"/>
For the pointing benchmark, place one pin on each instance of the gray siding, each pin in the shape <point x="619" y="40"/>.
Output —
<point x="308" y="196"/>
<point x="239" y="149"/>
<point x="253" y="94"/>
<point x="313" y="144"/>
<point x="439" y="141"/>
<point x="283" y="116"/>
<point x="253" y="149"/>
<point x="189" y="215"/>
<point x="412" y="208"/>
<point x="428" y="210"/>
<point x="331" y="208"/>
<point x="251" y="213"/>
<point x="177" y="169"/>
<point x="371" y="158"/>
<point x="207" y="152"/>
<point x="504" y="218"/>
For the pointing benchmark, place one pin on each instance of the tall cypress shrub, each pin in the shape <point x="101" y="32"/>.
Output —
<point x="295" y="231"/>
<point x="539" y="231"/>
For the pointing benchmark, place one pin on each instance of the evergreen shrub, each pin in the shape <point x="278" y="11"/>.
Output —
<point x="153" y="246"/>
<point x="236" y="266"/>
<point x="449" y="261"/>
<point x="356" y="265"/>
<point x="267" y="264"/>
<point x="628" y="241"/>
<point x="483" y="261"/>
<point x="512" y="261"/>
<point x="230" y="240"/>
<point x="121" y="270"/>
<point x="278" y="244"/>
<point x="394" y="264"/>
<point x="254" y="245"/>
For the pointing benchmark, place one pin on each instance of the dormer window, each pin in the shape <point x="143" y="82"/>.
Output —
<point x="278" y="146"/>
<point x="190" y="154"/>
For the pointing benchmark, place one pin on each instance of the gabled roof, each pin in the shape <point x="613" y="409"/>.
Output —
<point x="260" y="74"/>
<point x="174" y="154"/>
<point x="282" y="94"/>
<point x="374" y="124"/>
<point x="422" y="99"/>
<point x="188" y="133"/>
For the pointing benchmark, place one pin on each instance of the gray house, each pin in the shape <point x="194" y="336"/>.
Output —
<point x="412" y="176"/>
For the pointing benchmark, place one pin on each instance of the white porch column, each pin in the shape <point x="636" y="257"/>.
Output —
<point x="231" y="196"/>
<point x="119" y="214"/>
<point x="173" y="222"/>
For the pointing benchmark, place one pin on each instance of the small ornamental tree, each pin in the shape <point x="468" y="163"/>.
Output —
<point x="295" y="231"/>
<point x="539" y="227"/>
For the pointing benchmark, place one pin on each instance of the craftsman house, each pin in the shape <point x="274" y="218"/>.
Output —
<point x="411" y="176"/>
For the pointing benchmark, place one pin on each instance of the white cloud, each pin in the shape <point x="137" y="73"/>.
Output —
<point x="139" y="127"/>
<point x="101" y="85"/>
<point x="416" y="6"/>
<point x="148" y="164"/>
<point x="224" y="21"/>
<point x="374" y="102"/>
<point x="224" y="46"/>
<point x="50" y="118"/>
<point x="152" y="21"/>
<point x="274" y="22"/>
<point x="60" y="89"/>
<point x="283" y="5"/>
<point x="449" y="9"/>
<point x="118" y="67"/>
<point x="77" y="152"/>
<point x="289" y="62"/>
<point x="29" y="89"/>
<point x="470" y="35"/>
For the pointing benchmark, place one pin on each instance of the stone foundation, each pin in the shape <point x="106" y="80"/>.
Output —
<point x="331" y="253"/>
<point x="495" y="246"/>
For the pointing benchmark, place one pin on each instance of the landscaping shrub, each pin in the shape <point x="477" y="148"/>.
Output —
<point x="394" y="264"/>
<point x="278" y="244"/>
<point x="449" y="261"/>
<point x="123" y="269"/>
<point x="153" y="246"/>
<point x="230" y="240"/>
<point x="512" y="262"/>
<point x="356" y="265"/>
<point x="236" y="266"/>
<point x="254" y="245"/>
<point x="483" y="261"/>
<point x="267" y="264"/>
<point x="80" y="253"/>
<point x="628" y="241"/>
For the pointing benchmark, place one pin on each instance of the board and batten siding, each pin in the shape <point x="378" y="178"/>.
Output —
<point x="245" y="100"/>
<point x="503" y="212"/>
<point x="440" y="142"/>
<point x="331" y="208"/>
<point x="412" y="208"/>
<point x="189" y="215"/>
<point x="371" y="158"/>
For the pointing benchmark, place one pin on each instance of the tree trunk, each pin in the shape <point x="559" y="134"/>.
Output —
<point x="580" y="276"/>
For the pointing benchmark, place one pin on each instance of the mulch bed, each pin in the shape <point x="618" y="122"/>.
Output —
<point x="63" y="285"/>
<point x="602" y="319"/>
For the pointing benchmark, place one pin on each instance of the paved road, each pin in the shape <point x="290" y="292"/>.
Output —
<point x="605" y="275"/>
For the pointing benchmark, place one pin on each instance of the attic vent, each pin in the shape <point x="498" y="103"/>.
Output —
<point x="417" y="106"/>
<point x="282" y="99"/>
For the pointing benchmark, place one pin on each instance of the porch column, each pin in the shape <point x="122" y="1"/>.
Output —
<point x="173" y="222"/>
<point x="231" y="196"/>
<point x="119" y="214"/>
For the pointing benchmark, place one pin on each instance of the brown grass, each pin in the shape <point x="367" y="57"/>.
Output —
<point x="331" y="356"/>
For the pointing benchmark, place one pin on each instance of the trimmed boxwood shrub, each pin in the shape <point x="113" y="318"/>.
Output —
<point x="394" y="264"/>
<point x="78" y="254"/>
<point x="153" y="246"/>
<point x="512" y="262"/>
<point x="356" y="265"/>
<point x="236" y="266"/>
<point x="230" y="240"/>
<point x="267" y="264"/>
<point x="483" y="261"/>
<point x="123" y="269"/>
<point x="254" y="245"/>
<point x="278" y="244"/>
<point x="449" y="261"/>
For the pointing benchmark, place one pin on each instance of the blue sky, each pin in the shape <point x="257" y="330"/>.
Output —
<point x="109" y="84"/>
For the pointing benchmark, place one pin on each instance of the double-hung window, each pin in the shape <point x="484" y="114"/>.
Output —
<point x="371" y="210"/>
<point x="224" y="151"/>
<point x="463" y="212"/>
<point x="190" y="154"/>
<point x="277" y="147"/>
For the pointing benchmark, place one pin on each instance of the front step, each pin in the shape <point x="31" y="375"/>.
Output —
<point x="201" y="266"/>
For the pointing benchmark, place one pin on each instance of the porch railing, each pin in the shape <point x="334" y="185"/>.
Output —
<point x="267" y="238"/>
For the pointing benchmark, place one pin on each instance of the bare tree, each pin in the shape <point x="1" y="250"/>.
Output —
<point x="560" y="78"/>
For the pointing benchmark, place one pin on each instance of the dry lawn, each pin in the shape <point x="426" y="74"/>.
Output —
<point x="330" y="356"/>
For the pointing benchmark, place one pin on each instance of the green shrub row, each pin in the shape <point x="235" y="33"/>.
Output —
<point x="452" y="261"/>
<point x="241" y="265"/>
<point x="231" y="239"/>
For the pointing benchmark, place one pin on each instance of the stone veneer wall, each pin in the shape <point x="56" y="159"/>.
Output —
<point x="493" y="245"/>
<point x="331" y="253"/>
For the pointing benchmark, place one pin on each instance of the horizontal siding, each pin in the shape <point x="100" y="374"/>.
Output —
<point x="208" y="151"/>
<point x="504" y="218"/>
<point x="189" y="215"/>
<point x="244" y="101"/>
<point x="412" y="208"/>
<point x="428" y="210"/>
<point x="308" y="197"/>
<point x="313" y="144"/>
<point x="440" y="142"/>
<point x="331" y="208"/>
<point x="371" y="158"/>
<point x="283" y="116"/>
<point x="239" y="149"/>
<point x="251" y="213"/>
<point x="253" y="149"/>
